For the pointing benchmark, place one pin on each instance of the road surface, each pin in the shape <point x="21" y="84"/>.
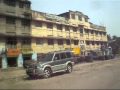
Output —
<point x="96" y="75"/>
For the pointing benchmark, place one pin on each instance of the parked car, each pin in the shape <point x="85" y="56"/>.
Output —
<point x="99" y="55"/>
<point x="28" y="62"/>
<point x="39" y="58"/>
<point x="53" y="62"/>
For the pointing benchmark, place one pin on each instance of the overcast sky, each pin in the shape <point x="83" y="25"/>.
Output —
<point x="101" y="12"/>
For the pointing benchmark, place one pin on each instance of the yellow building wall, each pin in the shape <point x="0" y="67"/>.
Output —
<point x="45" y="33"/>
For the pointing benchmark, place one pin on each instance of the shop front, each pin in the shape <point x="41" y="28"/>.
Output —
<point x="27" y="54"/>
<point x="12" y="57"/>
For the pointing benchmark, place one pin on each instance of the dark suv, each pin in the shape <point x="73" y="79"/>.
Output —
<point x="52" y="63"/>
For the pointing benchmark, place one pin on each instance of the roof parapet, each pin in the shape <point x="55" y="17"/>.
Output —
<point x="94" y="26"/>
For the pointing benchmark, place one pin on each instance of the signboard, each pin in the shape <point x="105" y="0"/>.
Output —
<point x="26" y="50"/>
<point x="76" y="51"/>
<point x="13" y="52"/>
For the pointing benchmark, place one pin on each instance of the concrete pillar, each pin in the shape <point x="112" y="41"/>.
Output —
<point x="4" y="62"/>
<point x="20" y="60"/>
<point x="34" y="56"/>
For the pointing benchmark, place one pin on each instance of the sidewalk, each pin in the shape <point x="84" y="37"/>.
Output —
<point x="12" y="73"/>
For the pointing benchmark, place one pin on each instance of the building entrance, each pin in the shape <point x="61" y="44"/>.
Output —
<point x="12" y="61"/>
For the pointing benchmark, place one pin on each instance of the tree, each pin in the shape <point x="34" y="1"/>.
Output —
<point x="114" y="42"/>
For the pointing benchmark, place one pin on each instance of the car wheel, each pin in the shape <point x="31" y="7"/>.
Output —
<point x="69" y="68"/>
<point x="47" y="73"/>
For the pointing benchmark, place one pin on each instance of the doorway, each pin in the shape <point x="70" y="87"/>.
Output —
<point x="12" y="61"/>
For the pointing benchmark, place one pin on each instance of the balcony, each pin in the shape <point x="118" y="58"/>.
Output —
<point x="7" y="10"/>
<point x="76" y="35"/>
<point x="13" y="11"/>
<point x="10" y="29"/>
<point x="67" y="35"/>
<point x="49" y="33"/>
<point x="24" y="30"/>
<point x="59" y="33"/>
<point x="86" y="36"/>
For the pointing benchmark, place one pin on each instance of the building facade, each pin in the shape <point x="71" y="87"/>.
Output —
<point x="24" y="32"/>
<point x="65" y="31"/>
<point x="15" y="31"/>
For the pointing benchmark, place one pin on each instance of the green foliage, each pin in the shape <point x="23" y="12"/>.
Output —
<point x="114" y="42"/>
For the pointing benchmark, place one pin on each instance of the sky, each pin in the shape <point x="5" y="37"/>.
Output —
<point x="100" y="12"/>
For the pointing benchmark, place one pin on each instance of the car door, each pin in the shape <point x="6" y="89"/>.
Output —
<point x="58" y="62"/>
<point x="63" y="61"/>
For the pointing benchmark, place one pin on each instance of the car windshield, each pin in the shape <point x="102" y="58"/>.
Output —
<point x="48" y="57"/>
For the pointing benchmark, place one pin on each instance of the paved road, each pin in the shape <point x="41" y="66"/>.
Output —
<point x="97" y="75"/>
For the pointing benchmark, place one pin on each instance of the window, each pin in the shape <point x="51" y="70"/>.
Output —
<point x="25" y="22"/>
<point x="74" y="29"/>
<point x="50" y="41"/>
<point x="100" y="33"/>
<point x="80" y="18"/>
<point x="57" y="57"/>
<point x="76" y="42"/>
<point x="60" y="42"/>
<point x="73" y="16"/>
<point x="93" y="43"/>
<point x="87" y="42"/>
<point x="24" y="4"/>
<point x="38" y="24"/>
<point x="62" y="55"/>
<point x="27" y="15"/>
<point x="97" y="43"/>
<point x="96" y="33"/>
<point x="68" y="42"/>
<point x="92" y="32"/>
<point x="10" y="2"/>
<point x="26" y="41"/>
<point x="59" y="27"/>
<point x="21" y="4"/>
<point x="11" y="42"/>
<point x="86" y="20"/>
<point x="104" y="34"/>
<point x="39" y="41"/>
<point x="10" y="20"/>
<point x="50" y="25"/>
<point x="68" y="54"/>
<point x="67" y="28"/>
<point x="86" y="31"/>
<point x="81" y="30"/>
<point x="27" y="5"/>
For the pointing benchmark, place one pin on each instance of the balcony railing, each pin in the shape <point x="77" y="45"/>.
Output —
<point x="13" y="11"/>
<point x="10" y="28"/>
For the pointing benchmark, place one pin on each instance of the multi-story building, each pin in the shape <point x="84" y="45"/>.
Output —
<point x="23" y="32"/>
<point x="15" y="30"/>
<point x="65" y="31"/>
